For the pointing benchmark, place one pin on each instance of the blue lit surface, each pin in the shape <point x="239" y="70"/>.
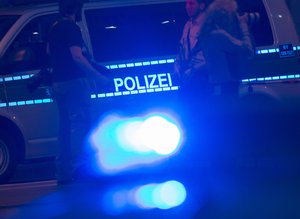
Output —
<point x="162" y="196"/>
<point x="125" y="143"/>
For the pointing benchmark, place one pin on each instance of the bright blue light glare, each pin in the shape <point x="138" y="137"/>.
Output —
<point x="162" y="196"/>
<point x="159" y="135"/>
<point x="124" y="143"/>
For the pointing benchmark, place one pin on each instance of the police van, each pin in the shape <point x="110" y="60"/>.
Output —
<point x="137" y="41"/>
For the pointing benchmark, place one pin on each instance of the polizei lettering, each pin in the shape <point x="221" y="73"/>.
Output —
<point x="143" y="82"/>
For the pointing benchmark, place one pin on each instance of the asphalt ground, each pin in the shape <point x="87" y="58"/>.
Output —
<point x="232" y="166"/>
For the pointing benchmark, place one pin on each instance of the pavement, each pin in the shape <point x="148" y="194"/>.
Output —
<point x="257" y="188"/>
<point x="227" y="171"/>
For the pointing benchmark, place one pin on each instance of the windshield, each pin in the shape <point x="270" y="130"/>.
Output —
<point x="6" y="21"/>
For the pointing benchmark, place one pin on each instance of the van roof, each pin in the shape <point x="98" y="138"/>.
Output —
<point x="19" y="10"/>
<point x="34" y="8"/>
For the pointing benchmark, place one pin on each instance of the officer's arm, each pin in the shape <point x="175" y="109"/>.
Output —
<point x="83" y="63"/>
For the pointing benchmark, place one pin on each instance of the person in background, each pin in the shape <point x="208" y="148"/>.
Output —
<point x="190" y="63"/>
<point x="226" y="43"/>
<point x="190" y="70"/>
<point x="71" y="70"/>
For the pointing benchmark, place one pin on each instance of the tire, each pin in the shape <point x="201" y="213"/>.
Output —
<point x="8" y="160"/>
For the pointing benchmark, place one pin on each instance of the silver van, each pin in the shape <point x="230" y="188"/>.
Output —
<point x="137" y="41"/>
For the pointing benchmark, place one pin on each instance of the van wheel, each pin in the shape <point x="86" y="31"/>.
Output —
<point x="8" y="160"/>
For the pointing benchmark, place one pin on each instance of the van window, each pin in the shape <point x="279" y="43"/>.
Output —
<point x="260" y="25"/>
<point x="28" y="50"/>
<point x="6" y="21"/>
<point x="294" y="7"/>
<point x="135" y="32"/>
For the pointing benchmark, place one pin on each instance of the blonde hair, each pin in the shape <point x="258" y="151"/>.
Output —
<point x="228" y="5"/>
<point x="219" y="14"/>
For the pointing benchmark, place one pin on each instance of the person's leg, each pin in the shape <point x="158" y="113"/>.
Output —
<point x="80" y="123"/>
<point x="64" y="157"/>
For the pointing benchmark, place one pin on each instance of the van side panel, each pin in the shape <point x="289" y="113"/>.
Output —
<point x="34" y="112"/>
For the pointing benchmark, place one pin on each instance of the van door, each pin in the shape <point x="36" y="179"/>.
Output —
<point x="30" y="105"/>
<point x="138" y="44"/>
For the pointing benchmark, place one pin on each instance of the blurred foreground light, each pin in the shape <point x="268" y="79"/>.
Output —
<point x="162" y="196"/>
<point x="124" y="143"/>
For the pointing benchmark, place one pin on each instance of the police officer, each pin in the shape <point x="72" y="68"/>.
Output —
<point x="71" y="88"/>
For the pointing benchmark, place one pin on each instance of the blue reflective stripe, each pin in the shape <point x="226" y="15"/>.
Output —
<point x="122" y="66"/>
<point x="154" y="62"/>
<point x="112" y="66"/>
<point x="12" y="104"/>
<point x="150" y="90"/>
<point x="8" y="78"/>
<point x="146" y="63"/>
<point x="274" y="78"/>
<point x="138" y="64"/>
<point x="3" y="105"/>
<point x="141" y="63"/>
<point x="134" y="92"/>
<point x="100" y="95"/>
<point x="29" y="102"/>
<point x="26" y="76"/>
<point x="16" y="78"/>
<point x="38" y="101"/>
<point x="26" y="102"/>
<point x="126" y="93"/>
<point x="20" y="103"/>
<point x="130" y="65"/>
<point x="264" y="51"/>
<point x="273" y="50"/>
<point x="47" y="100"/>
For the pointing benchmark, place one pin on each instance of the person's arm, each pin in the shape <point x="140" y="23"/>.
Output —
<point x="230" y="43"/>
<point x="247" y="41"/>
<point x="83" y="63"/>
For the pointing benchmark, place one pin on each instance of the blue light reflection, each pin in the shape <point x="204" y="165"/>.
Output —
<point x="124" y="143"/>
<point x="164" y="196"/>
